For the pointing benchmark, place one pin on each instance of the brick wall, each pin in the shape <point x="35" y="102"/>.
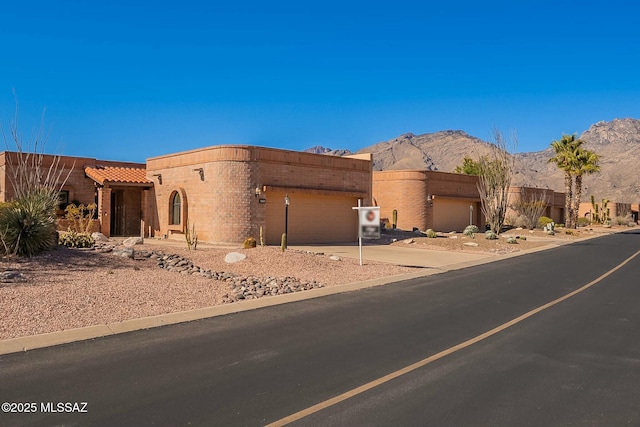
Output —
<point x="224" y="206"/>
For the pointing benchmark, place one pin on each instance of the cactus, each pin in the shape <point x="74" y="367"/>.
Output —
<point x="602" y="213"/>
<point x="283" y="242"/>
<point x="261" y="237"/>
<point x="191" y="236"/>
<point x="490" y="235"/>
<point x="431" y="234"/>
<point x="395" y="218"/>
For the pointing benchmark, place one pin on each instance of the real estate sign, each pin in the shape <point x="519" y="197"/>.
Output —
<point x="369" y="222"/>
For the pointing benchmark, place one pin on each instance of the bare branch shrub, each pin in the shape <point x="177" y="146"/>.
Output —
<point x="26" y="172"/>
<point x="495" y="180"/>
<point x="530" y="206"/>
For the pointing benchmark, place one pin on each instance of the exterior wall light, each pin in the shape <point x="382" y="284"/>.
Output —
<point x="201" y="172"/>
<point x="159" y="176"/>
<point x="258" y="191"/>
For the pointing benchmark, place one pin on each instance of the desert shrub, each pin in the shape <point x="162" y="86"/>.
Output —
<point x="622" y="220"/>
<point x="571" y="232"/>
<point x="249" y="243"/>
<point x="73" y="239"/>
<point x="27" y="225"/>
<point x="512" y="240"/>
<point x="490" y="235"/>
<point x="543" y="221"/>
<point x="80" y="217"/>
<point x="583" y="222"/>
<point x="431" y="234"/>
<point x="471" y="231"/>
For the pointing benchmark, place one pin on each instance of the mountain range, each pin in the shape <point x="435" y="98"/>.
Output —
<point x="617" y="142"/>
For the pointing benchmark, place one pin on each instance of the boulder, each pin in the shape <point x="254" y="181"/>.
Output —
<point x="11" y="276"/>
<point x="123" y="251"/>
<point x="99" y="237"/>
<point x="132" y="241"/>
<point x="473" y="244"/>
<point x="335" y="258"/>
<point x="233" y="257"/>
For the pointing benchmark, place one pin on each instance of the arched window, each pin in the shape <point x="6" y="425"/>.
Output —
<point x="175" y="209"/>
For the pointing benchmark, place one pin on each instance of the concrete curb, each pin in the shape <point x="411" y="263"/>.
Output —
<point x="20" y="344"/>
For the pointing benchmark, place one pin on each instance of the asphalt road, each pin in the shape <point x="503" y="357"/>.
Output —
<point x="575" y="363"/>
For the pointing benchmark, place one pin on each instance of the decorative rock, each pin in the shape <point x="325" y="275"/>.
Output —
<point x="335" y="258"/>
<point x="474" y="244"/>
<point x="11" y="276"/>
<point x="453" y="237"/>
<point x="123" y="251"/>
<point x="233" y="257"/>
<point x="132" y="241"/>
<point x="409" y="241"/>
<point x="99" y="237"/>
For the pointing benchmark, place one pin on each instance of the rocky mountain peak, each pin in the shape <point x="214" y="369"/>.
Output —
<point x="620" y="131"/>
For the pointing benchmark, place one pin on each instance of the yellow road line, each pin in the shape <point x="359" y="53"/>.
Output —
<point x="368" y="386"/>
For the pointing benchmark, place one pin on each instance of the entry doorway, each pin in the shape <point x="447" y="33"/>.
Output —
<point x="117" y="213"/>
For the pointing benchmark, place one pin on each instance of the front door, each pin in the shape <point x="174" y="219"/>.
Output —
<point x="117" y="213"/>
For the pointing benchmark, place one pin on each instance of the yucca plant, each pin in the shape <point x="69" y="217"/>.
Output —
<point x="27" y="226"/>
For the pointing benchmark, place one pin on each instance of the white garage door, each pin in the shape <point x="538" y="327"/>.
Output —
<point x="312" y="219"/>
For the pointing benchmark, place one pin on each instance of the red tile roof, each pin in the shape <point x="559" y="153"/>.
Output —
<point x="111" y="174"/>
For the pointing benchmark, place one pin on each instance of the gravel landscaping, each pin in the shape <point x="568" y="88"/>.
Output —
<point x="72" y="288"/>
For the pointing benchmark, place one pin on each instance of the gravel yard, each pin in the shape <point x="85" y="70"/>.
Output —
<point x="72" y="288"/>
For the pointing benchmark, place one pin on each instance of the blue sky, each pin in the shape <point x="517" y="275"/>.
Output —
<point x="132" y="80"/>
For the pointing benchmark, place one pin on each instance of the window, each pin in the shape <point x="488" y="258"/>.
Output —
<point x="175" y="209"/>
<point x="63" y="199"/>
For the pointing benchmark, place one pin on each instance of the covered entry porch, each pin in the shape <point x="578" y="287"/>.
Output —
<point x="123" y="199"/>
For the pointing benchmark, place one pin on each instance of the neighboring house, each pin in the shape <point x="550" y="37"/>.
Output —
<point x="444" y="201"/>
<point x="117" y="188"/>
<point x="554" y="201"/>
<point x="428" y="199"/>
<point x="612" y="208"/>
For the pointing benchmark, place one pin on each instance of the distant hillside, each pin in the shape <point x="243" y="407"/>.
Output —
<point x="617" y="142"/>
<point x="441" y="151"/>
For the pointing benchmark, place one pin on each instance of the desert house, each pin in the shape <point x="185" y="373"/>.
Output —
<point x="230" y="192"/>
<point x="445" y="201"/>
<point x="603" y="210"/>
<point x="118" y="188"/>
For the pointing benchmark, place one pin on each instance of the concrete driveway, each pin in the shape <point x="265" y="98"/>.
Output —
<point x="442" y="260"/>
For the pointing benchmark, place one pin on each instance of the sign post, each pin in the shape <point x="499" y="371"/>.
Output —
<point x="368" y="223"/>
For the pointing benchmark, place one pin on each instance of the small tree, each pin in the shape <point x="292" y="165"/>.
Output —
<point x="495" y="180"/>
<point x="468" y="167"/>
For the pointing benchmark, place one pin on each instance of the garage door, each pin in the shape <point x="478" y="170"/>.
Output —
<point x="312" y="219"/>
<point x="450" y="215"/>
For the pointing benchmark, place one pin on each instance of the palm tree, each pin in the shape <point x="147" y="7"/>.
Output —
<point x="565" y="150"/>
<point x="585" y="163"/>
